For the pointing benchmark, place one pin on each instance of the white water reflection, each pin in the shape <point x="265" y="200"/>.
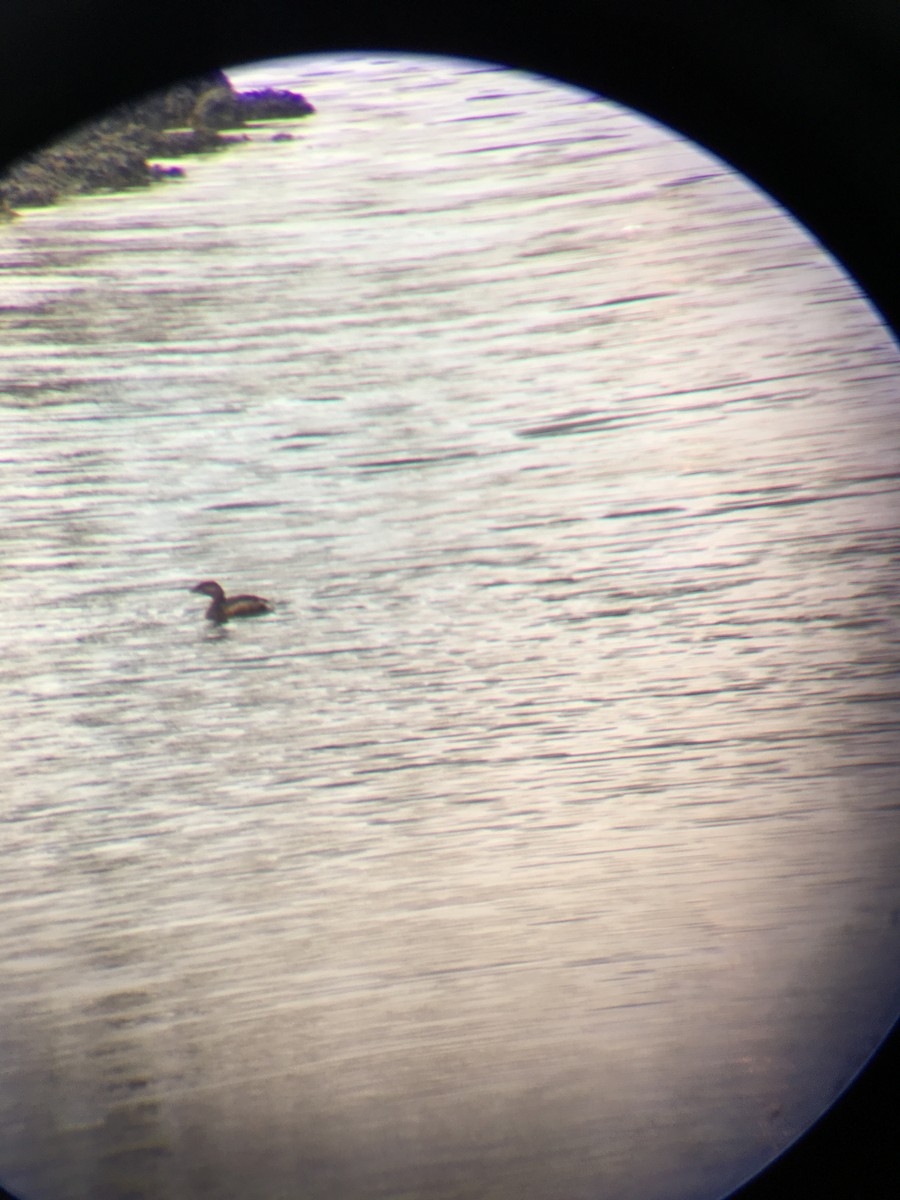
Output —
<point x="541" y="844"/>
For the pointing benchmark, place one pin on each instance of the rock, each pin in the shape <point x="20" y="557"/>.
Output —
<point x="218" y="108"/>
<point x="271" y="103"/>
<point x="112" y="152"/>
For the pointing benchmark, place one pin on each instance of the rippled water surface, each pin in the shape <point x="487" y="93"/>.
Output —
<point x="542" y="843"/>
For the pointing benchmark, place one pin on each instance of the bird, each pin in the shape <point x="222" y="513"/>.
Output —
<point x="223" y="607"/>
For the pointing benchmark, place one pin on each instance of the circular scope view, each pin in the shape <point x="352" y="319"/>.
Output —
<point x="449" y="629"/>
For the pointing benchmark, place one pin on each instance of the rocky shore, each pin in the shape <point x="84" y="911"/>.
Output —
<point x="118" y="150"/>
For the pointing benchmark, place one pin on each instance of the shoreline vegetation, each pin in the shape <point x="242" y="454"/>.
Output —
<point x="115" y="152"/>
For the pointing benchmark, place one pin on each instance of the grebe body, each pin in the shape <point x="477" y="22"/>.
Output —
<point x="223" y="607"/>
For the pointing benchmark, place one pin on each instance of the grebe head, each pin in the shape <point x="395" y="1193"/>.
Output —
<point x="209" y="587"/>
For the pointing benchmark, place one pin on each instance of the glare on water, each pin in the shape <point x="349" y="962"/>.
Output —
<point x="541" y="843"/>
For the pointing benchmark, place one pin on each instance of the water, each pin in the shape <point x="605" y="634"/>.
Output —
<point x="542" y="843"/>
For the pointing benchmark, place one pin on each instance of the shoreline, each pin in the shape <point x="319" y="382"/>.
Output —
<point x="116" y="152"/>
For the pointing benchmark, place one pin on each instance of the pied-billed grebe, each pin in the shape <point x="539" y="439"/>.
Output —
<point x="223" y="607"/>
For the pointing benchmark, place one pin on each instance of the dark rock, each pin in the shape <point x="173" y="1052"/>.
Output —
<point x="173" y="106"/>
<point x="217" y="108"/>
<point x="112" y="152"/>
<point x="173" y="143"/>
<point x="271" y="103"/>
